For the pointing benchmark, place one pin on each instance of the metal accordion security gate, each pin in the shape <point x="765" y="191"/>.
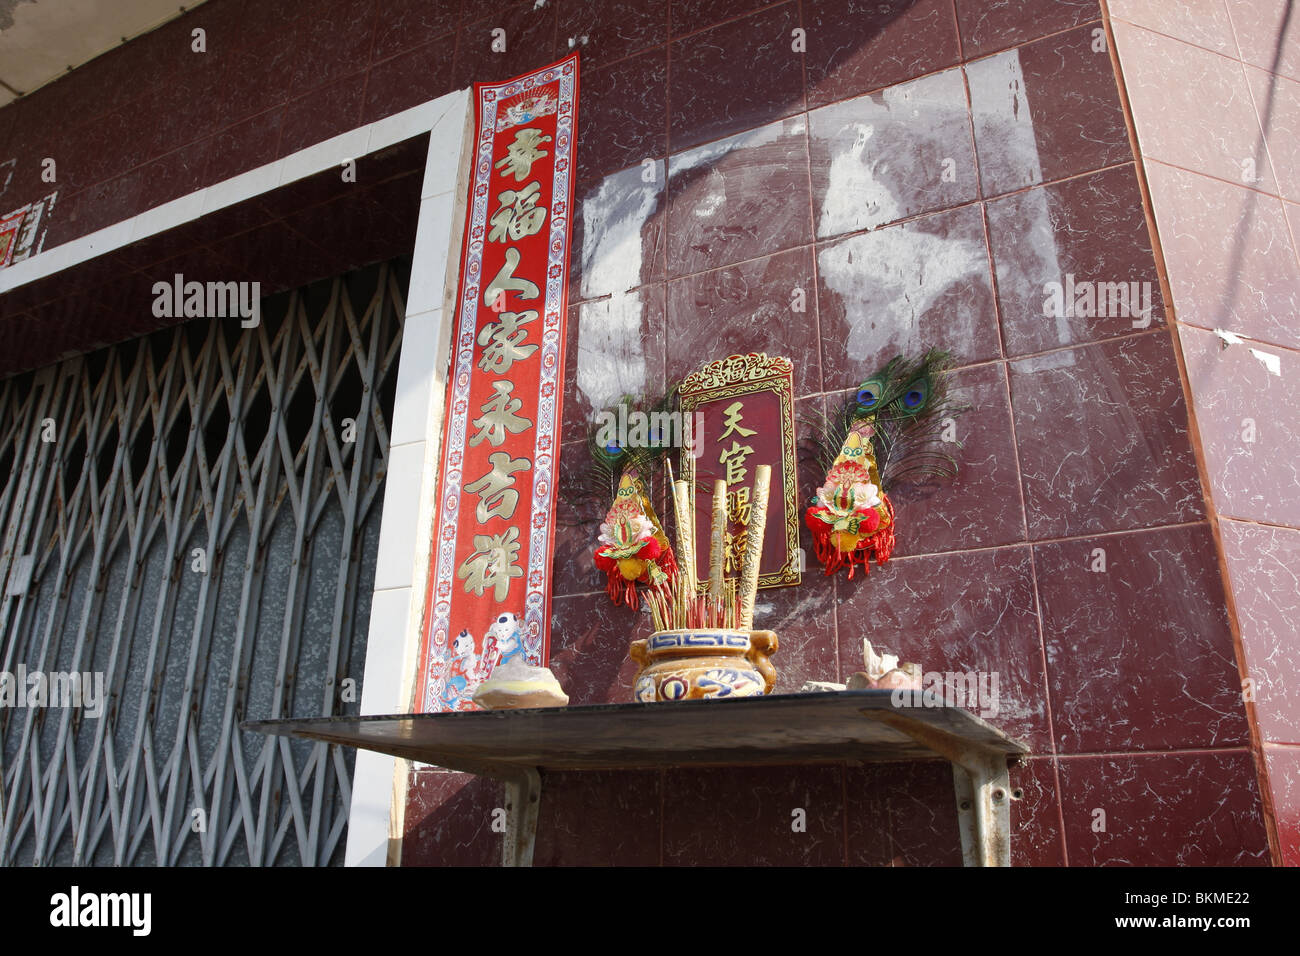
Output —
<point x="194" y="515"/>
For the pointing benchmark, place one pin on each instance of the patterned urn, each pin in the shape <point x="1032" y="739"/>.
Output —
<point x="704" y="663"/>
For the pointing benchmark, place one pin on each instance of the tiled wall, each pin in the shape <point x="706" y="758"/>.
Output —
<point x="1215" y="92"/>
<point x="918" y="170"/>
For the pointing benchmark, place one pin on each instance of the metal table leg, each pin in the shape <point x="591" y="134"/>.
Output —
<point x="523" y="797"/>
<point x="983" y="788"/>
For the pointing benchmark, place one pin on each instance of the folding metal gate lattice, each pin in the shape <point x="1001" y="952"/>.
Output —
<point x="195" y="516"/>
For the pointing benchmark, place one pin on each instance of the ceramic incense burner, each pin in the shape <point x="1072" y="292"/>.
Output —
<point x="704" y="663"/>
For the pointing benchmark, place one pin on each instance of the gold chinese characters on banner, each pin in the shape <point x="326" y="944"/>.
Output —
<point x="489" y="573"/>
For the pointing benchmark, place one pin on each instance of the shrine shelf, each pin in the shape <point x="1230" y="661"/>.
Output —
<point x="517" y="746"/>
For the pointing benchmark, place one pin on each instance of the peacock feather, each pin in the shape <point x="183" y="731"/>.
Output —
<point x="903" y="411"/>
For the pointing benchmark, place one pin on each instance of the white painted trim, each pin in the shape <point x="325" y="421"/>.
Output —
<point x="426" y="117"/>
<point x="405" y="535"/>
<point x="377" y="817"/>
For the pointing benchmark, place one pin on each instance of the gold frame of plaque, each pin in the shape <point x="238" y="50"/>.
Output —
<point x="724" y="384"/>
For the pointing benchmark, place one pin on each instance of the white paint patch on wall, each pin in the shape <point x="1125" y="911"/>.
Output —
<point x="855" y="198"/>
<point x="891" y="277"/>
<point x="1004" y="126"/>
<point x="613" y="219"/>
<point x="888" y="153"/>
<point x="611" y="356"/>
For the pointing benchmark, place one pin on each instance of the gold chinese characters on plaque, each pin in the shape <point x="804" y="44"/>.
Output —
<point x="742" y="410"/>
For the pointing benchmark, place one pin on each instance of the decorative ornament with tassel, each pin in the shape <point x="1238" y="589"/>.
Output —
<point x="890" y="432"/>
<point x="632" y="547"/>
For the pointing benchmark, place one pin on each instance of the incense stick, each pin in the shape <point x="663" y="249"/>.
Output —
<point x="685" y="533"/>
<point x="717" y="539"/>
<point x="754" y="552"/>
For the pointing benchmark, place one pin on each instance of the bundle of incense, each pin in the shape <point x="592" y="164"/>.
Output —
<point x="754" y="552"/>
<point x="717" y="539"/>
<point x="672" y="607"/>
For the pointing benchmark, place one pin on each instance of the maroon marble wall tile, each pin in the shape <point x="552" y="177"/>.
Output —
<point x="747" y="816"/>
<point x="408" y="80"/>
<point x="1262" y="563"/>
<point x="691" y="16"/>
<point x="530" y="43"/>
<point x="1169" y="104"/>
<point x="622" y="116"/>
<point x="1103" y="438"/>
<point x="1277" y="106"/>
<point x="738" y="198"/>
<point x="176" y="174"/>
<point x="1046" y="110"/>
<point x="1036" y="837"/>
<point x="303" y="193"/>
<point x="892" y="155"/>
<point x="7" y="115"/>
<point x="449" y="820"/>
<point x="613" y="28"/>
<point x="905" y="814"/>
<point x="868" y="837"/>
<point x="1085" y="228"/>
<point x="619" y="233"/>
<point x="734" y="77"/>
<point x="357" y="215"/>
<point x="244" y="146"/>
<point x="1284" y="780"/>
<point x="803" y="618"/>
<point x="904" y="288"/>
<point x="1258" y="26"/>
<point x="1249" y="421"/>
<point x="30" y="143"/>
<point x="988" y="25"/>
<point x="922" y="814"/>
<point x="95" y="207"/>
<point x="274" y="255"/>
<point x="614" y="347"/>
<point x="960" y="613"/>
<point x="1182" y="809"/>
<point x="334" y="39"/>
<point x="250" y="77"/>
<point x="578" y="514"/>
<point x="590" y="636"/>
<point x="857" y="45"/>
<point x="982" y="505"/>
<point x="746" y="308"/>
<point x="1229" y="254"/>
<point x="403" y="24"/>
<point x="178" y="76"/>
<point x="1204" y="23"/>
<point x="599" y="818"/>
<point x="1139" y="655"/>
<point x="106" y="147"/>
<point x="471" y="11"/>
<point x="324" y="112"/>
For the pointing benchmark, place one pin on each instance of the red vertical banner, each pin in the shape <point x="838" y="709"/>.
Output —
<point x="489" y="573"/>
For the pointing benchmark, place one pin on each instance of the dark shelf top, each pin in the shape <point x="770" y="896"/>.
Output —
<point x="783" y="729"/>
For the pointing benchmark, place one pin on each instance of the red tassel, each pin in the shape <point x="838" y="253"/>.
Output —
<point x="881" y="544"/>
